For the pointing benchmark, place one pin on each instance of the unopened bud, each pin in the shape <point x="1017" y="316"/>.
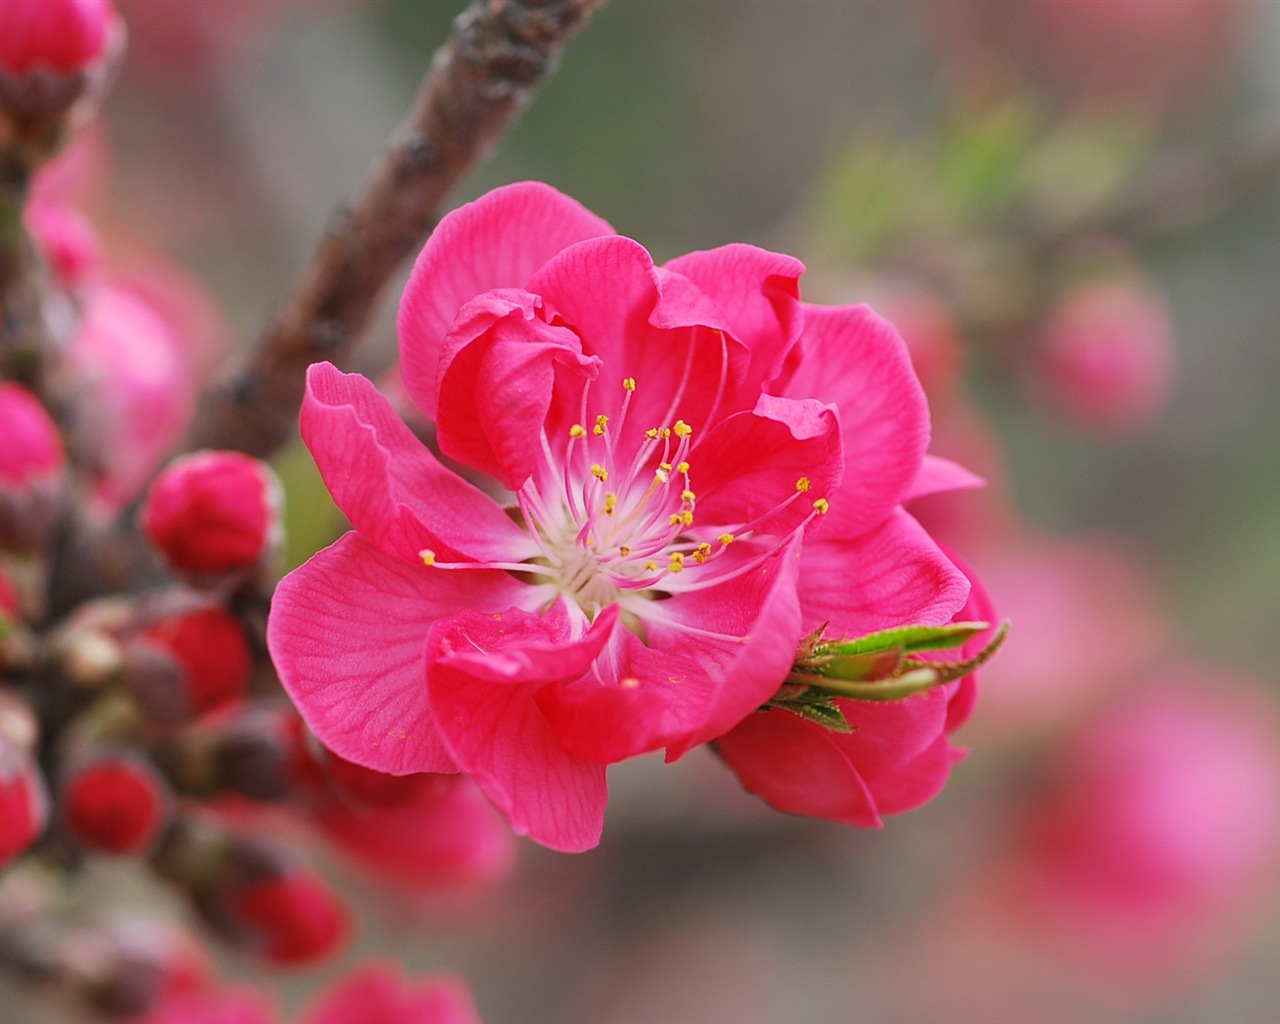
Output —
<point x="24" y="807"/>
<point x="213" y="513"/>
<point x="263" y="755"/>
<point x="187" y="665"/>
<point x="266" y="902"/>
<point x="115" y="803"/>
<point x="31" y="464"/>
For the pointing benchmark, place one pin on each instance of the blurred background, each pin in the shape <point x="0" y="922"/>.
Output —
<point x="1071" y="209"/>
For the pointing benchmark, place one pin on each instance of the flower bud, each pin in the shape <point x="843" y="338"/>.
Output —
<point x="67" y="240"/>
<point x="115" y="803"/>
<point x="187" y="665"/>
<point x="372" y="788"/>
<point x="24" y="808"/>
<point x="263" y="755"/>
<point x="60" y="35"/>
<point x="266" y="902"/>
<point x="378" y="992"/>
<point x="213" y="512"/>
<point x="54" y="61"/>
<point x="1106" y="356"/>
<point x="31" y="465"/>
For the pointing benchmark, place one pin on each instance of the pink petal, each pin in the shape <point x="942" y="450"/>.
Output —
<point x="346" y="633"/>
<point x="784" y="450"/>
<point x="498" y="241"/>
<point x="853" y="358"/>
<point x="759" y="292"/>
<point x="484" y="671"/>
<point x="377" y="992"/>
<point x="900" y="747"/>
<point x="938" y="475"/>
<point x="644" y="324"/>
<point x="678" y="689"/>
<point x="798" y="767"/>
<point x="496" y="375"/>
<point x="390" y="486"/>
<point x="893" y="575"/>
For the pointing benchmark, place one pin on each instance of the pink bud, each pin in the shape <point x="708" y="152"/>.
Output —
<point x="187" y="665"/>
<point x="24" y="808"/>
<point x="31" y="464"/>
<point x="214" y="512"/>
<point x="1106" y="356"/>
<point x="60" y="35"/>
<point x="295" y="917"/>
<point x="116" y="803"/>
<point x="379" y="993"/>
<point x="66" y="238"/>
<point x="214" y="1005"/>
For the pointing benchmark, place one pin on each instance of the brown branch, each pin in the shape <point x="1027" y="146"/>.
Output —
<point x="484" y="75"/>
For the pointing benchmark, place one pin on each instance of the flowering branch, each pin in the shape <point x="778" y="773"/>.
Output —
<point x="484" y="75"/>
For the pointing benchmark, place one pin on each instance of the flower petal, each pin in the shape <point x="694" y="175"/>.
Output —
<point x="759" y="291"/>
<point x="394" y="491"/>
<point x="498" y="241"/>
<point x="483" y="673"/>
<point x="346" y="633"/>
<point x="785" y="450"/>
<point x="938" y="475"/>
<point x="853" y="358"/>
<point x="644" y="324"/>
<point x="496" y="376"/>
<point x="890" y="576"/>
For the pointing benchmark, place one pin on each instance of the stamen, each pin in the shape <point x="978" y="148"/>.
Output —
<point x="682" y="467"/>
<point x="629" y="383"/>
<point x="602" y="421"/>
<point x="677" y="562"/>
<point x="803" y="484"/>
<point x="428" y="556"/>
<point x="821" y="506"/>
<point x="599" y="472"/>
<point x="682" y="429"/>
<point x="610" y="503"/>
<point x="577" y="430"/>
<point x="726" y="539"/>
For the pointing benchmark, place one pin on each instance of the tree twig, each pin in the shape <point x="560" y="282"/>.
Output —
<point x="497" y="54"/>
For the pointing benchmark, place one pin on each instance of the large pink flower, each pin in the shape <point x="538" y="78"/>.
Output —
<point x="693" y="470"/>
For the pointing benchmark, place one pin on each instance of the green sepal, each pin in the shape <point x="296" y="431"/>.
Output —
<point x="814" y="707"/>
<point x="950" y="671"/>
<point x="907" y="639"/>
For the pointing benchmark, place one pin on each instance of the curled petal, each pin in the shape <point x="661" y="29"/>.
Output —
<point x="854" y="359"/>
<point x="784" y="455"/>
<point x="394" y="491"/>
<point x="346" y="633"/>
<point x="483" y="674"/>
<point x="498" y="241"/>
<point x="938" y="475"/>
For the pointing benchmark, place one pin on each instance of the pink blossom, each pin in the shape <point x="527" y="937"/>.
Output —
<point x="377" y="992"/>
<point x="32" y="459"/>
<point x="56" y="35"/>
<point x="225" y="1004"/>
<point x="24" y="805"/>
<point x="695" y="468"/>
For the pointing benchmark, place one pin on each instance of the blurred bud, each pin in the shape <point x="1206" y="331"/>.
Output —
<point x="58" y="35"/>
<point x="220" y="1005"/>
<point x="31" y="464"/>
<point x="135" y="391"/>
<point x="1105" y="358"/>
<point x="55" y="56"/>
<point x="212" y="513"/>
<point x="18" y="724"/>
<point x="931" y="332"/>
<point x="67" y="240"/>
<point x="262" y="755"/>
<point x="373" y="788"/>
<point x="186" y="665"/>
<point x="379" y="993"/>
<point x="130" y="962"/>
<point x="114" y="803"/>
<point x="267" y="903"/>
<point x="24" y="807"/>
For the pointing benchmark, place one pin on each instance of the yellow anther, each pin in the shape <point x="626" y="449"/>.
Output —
<point x="577" y="430"/>
<point x="677" y="561"/>
<point x="682" y="467"/>
<point x="602" y="421"/>
<point x="686" y="517"/>
<point x="702" y="552"/>
<point x="682" y="429"/>
<point x="803" y="484"/>
<point x="624" y="551"/>
<point x="820" y="506"/>
<point x="687" y="495"/>
<point x="651" y="566"/>
<point x="428" y="556"/>
<point x="610" y="503"/>
<point x="676" y="520"/>
<point x="628" y="384"/>
<point x="651" y="433"/>
<point x="664" y="431"/>
<point x="599" y="472"/>
<point x="725" y="538"/>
